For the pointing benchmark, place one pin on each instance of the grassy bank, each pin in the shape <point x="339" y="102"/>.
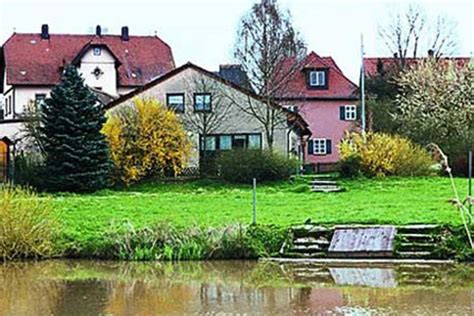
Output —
<point x="88" y="221"/>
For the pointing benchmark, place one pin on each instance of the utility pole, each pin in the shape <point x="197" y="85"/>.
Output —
<point x="362" y="84"/>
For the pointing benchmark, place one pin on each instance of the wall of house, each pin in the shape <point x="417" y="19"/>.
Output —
<point x="324" y="121"/>
<point x="235" y="121"/>
<point x="107" y="81"/>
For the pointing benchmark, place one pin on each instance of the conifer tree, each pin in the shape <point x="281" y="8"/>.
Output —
<point x="77" y="155"/>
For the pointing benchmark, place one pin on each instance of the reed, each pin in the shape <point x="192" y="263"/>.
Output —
<point x="27" y="224"/>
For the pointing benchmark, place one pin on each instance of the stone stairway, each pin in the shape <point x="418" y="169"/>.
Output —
<point x="417" y="241"/>
<point x="307" y="241"/>
<point x="324" y="185"/>
<point x="412" y="241"/>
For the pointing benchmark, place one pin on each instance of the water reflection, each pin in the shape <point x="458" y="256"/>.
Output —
<point x="209" y="288"/>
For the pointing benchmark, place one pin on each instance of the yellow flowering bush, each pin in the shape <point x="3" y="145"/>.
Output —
<point x="146" y="139"/>
<point x="382" y="154"/>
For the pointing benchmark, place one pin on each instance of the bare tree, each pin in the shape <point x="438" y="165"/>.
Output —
<point x="408" y="32"/>
<point x="270" y="51"/>
<point x="30" y="132"/>
<point x="211" y="118"/>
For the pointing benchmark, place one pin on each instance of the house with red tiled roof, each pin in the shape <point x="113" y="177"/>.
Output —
<point x="327" y="100"/>
<point x="112" y="65"/>
<point x="373" y="65"/>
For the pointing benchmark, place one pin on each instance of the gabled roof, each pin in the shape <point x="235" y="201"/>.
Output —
<point x="294" y="117"/>
<point x="371" y="63"/>
<point x="235" y="74"/>
<point x="339" y="86"/>
<point x="30" y="60"/>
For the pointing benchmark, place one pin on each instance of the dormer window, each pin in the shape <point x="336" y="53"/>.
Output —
<point x="97" y="51"/>
<point x="317" y="78"/>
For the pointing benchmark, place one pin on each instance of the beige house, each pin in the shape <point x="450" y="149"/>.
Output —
<point x="220" y="115"/>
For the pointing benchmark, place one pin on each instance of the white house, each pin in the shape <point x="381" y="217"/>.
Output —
<point x="113" y="65"/>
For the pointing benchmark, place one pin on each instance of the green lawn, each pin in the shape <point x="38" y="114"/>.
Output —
<point x="208" y="203"/>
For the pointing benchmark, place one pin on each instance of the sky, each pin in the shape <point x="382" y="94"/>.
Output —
<point x="203" y="31"/>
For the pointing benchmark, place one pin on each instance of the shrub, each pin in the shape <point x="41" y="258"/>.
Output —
<point x="146" y="140"/>
<point x="27" y="224"/>
<point x="241" y="166"/>
<point x="29" y="170"/>
<point x="166" y="242"/>
<point x="383" y="155"/>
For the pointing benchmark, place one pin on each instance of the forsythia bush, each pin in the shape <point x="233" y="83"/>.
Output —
<point x="383" y="155"/>
<point x="146" y="139"/>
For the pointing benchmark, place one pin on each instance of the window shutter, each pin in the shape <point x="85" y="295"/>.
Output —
<point x="342" y="113"/>
<point x="310" y="147"/>
<point x="328" y="146"/>
<point x="358" y="112"/>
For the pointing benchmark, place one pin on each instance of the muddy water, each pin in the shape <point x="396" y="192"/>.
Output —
<point x="232" y="288"/>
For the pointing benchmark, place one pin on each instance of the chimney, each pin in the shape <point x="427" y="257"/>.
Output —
<point x="98" y="30"/>
<point x="430" y="53"/>
<point x="124" y="36"/>
<point x="44" y="31"/>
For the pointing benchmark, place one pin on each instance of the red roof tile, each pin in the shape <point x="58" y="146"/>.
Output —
<point x="30" y="60"/>
<point x="339" y="86"/>
<point x="370" y="63"/>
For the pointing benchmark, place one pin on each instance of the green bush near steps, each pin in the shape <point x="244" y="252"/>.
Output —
<point x="241" y="166"/>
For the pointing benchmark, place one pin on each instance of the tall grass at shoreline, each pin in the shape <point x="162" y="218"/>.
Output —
<point x="28" y="224"/>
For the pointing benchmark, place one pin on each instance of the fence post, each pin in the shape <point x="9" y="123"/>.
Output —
<point x="469" y="173"/>
<point x="254" y="199"/>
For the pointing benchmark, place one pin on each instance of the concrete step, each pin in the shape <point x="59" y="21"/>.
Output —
<point x="418" y="238"/>
<point x="311" y="241"/>
<point x="414" y="254"/>
<point x="313" y="255"/>
<point x="306" y="249"/>
<point x="323" y="182"/>
<point x="418" y="229"/>
<point x="414" y="246"/>
<point x="326" y="190"/>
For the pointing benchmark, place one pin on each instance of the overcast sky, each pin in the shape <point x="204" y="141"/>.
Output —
<point x="203" y="31"/>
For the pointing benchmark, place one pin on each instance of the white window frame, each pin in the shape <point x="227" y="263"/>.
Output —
<point x="315" y="80"/>
<point x="350" y="112"/>
<point x="320" y="146"/>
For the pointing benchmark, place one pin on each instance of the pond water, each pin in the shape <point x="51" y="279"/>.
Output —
<point x="70" y="287"/>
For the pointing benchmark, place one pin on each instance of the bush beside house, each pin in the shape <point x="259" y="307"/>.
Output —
<point x="146" y="139"/>
<point x="379" y="154"/>
<point x="241" y="166"/>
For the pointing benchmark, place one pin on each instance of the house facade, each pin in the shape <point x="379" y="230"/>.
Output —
<point x="112" y="65"/>
<point x="213" y="112"/>
<point x="328" y="101"/>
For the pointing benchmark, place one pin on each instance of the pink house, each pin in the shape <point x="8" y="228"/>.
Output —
<point x="327" y="100"/>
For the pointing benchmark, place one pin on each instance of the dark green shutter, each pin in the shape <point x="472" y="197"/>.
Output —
<point x="342" y="113"/>
<point x="328" y="146"/>
<point x="358" y="112"/>
<point x="310" y="147"/>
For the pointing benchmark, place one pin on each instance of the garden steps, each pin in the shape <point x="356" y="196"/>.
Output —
<point x="325" y="185"/>
<point x="313" y="241"/>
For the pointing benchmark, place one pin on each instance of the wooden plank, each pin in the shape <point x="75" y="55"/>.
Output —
<point x="363" y="241"/>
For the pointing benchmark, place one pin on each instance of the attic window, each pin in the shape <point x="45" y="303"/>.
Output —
<point x="97" y="51"/>
<point x="317" y="78"/>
